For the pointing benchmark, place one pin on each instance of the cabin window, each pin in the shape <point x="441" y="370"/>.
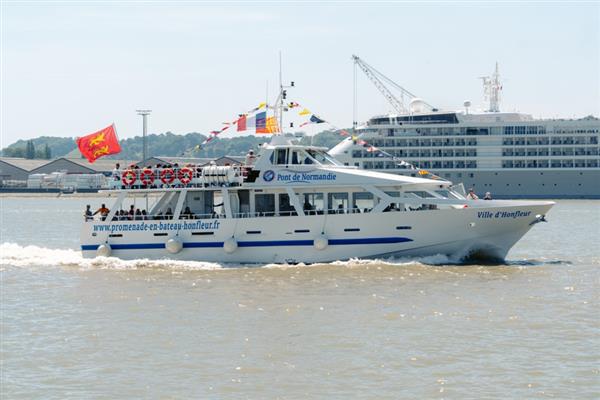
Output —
<point x="265" y="204"/>
<point x="295" y="157"/>
<point x="363" y="201"/>
<point x="421" y="194"/>
<point x="313" y="203"/>
<point x="337" y="203"/>
<point x="281" y="156"/>
<point x="285" y="207"/>
<point x="244" y="196"/>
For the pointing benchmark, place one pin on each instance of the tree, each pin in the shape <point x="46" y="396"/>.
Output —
<point x="47" y="152"/>
<point x="30" y="150"/>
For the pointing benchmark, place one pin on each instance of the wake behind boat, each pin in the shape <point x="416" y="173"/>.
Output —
<point x="298" y="204"/>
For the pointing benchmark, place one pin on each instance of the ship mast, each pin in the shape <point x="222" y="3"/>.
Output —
<point x="280" y="104"/>
<point x="491" y="90"/>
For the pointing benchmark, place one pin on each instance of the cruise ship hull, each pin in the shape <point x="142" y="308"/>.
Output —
<point x="484" y="229"/>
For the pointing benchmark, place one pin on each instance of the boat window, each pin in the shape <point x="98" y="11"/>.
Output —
<point x="217" y="204"/>
<point x="281" y="156"/>
<point x="422" y="194"/>
<point x="337" y="203"/>
<point x="265" y="204"/>
<point x="295" y="157"/>
<point x="313" y="203"/>
<point x="285" y="207"/>
<point x="244" y="196"/>
<point x="363" y="201"/>
<point x="448" y="194"/>
<point x="322" y="157"/>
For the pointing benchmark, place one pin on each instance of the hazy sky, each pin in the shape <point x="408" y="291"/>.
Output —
<point x="70" y="68"/>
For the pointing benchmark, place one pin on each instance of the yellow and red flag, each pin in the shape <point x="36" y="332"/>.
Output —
<point x="99" y="144"/>
<point x="270" y="126"/>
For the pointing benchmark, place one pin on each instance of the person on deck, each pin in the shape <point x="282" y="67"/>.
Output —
<point x="488" y="196"/>
<point x="103" y="211"/>
<point x="250" y="158"/>
<point x="116" y="173"/>
<point x="471" y="195"/>
<point x="87" y="214"/>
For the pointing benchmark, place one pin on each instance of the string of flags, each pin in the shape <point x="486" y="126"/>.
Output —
<point x="258" y="120"/>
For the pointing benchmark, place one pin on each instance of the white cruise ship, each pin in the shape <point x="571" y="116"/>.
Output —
<point x="510" y="155"/>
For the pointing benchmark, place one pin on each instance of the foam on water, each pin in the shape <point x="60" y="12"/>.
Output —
<point x="26" y="256"/>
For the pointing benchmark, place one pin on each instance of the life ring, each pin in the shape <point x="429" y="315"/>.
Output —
<point x="167" y="176"/>
<point x="129" y="177"/>
<point x="147" y="177"/>
<point x="185" y="175"/>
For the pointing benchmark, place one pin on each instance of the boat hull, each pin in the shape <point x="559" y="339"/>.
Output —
<point x="486" y="229"/>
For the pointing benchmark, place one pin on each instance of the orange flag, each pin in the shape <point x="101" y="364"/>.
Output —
<point x="99" y="144"/>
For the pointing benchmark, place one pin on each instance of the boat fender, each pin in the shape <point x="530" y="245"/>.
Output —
<point x="230" y="245"/>
<point x="104" y="250"/>
<point x="173" y="245"/>
<point x="321" y="242"/>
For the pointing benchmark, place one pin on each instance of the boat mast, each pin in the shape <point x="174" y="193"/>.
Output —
<point x="282" y="96"/>
<point x="491" y="89"/>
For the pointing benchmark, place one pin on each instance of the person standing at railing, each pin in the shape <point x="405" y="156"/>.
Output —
<point x="250" y="158"/>
<point x="116" y="173"/>
<point x="471" y="195"/>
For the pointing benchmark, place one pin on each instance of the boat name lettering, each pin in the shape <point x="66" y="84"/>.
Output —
<point x="503" y="214"/>
<point x="158" y="226"/>
<point x="305" y="177"/>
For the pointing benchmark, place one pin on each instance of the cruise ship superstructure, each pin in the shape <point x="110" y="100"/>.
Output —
<point x="510" y="155"/>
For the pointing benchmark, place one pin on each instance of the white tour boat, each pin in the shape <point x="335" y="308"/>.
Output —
<point x="298" y="204"/>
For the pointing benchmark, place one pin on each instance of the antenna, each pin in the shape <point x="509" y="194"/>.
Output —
<point x="282" y="95"/>
<point x="491" y="90"/>
<point x="144" y="114"/>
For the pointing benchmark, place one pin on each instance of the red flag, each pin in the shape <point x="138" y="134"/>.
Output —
<point x="241" y="124"/>
<point x="99" y="144"/>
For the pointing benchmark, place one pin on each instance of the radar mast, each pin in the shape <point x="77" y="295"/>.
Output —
<point x="491" y="90"/>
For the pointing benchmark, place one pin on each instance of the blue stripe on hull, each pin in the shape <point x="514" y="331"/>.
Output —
<point x="257" y="243"/>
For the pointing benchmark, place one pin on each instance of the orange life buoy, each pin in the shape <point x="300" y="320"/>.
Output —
<point x="129" y="177"/>
<point x="147" y="177"/>
<point x="185" y="175"/>
<point x="167" y="176"/>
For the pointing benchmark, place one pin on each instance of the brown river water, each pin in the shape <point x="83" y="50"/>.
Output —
<point x="382" y="329"/>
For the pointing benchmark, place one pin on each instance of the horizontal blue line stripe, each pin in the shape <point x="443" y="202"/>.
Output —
<point x="267" y="243"/>
<point x="334" y="242"/>
<point x="257" y="243"/>
<point x="202" y="244"/>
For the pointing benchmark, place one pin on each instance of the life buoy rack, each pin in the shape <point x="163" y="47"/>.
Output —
<point x="185" y="175"/>
<point x="129" y="177"/>
<point x="167" y="176"/>
<point x="147" y="177"/>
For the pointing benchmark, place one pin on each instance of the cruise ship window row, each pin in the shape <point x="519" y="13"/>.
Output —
<point x="578" y="140"/>
<point x="474" y="131"/>
<point x="469" y="164"/>
<point x="472" y="164"/>
<point x="416" y="153"/>
<point x="550" y="164"/>
<point x="422" y="142"/>
<point x="553" y="151"/>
